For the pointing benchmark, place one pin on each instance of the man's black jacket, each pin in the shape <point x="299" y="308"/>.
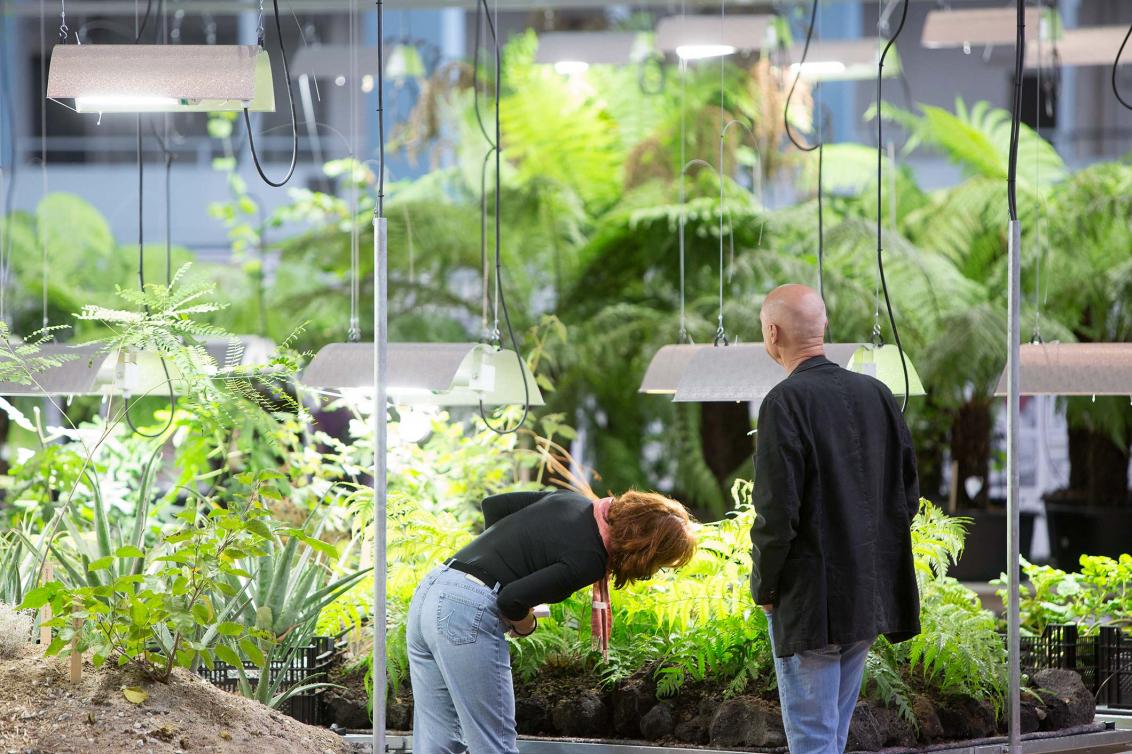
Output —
<point x="835" y="493"/>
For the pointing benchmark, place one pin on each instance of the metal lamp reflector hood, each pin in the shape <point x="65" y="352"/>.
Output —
<point x="843" y="60"/>
<point x="695" y="37"/>
<point x="1095" y="45"/>
<point x="440" y="374"/>
<point x="883" y="362"/>
<point x="585" y="48"/>
<point x="975" y="27"/>
<point x="161" y="78"/>
<point x="667" y="366"/>
<point x="1074" y="369"/>
<point x="743" y="372"/>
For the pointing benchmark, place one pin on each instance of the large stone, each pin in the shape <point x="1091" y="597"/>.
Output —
<point x="1067" y="700"/>
<point x="694" y="731"/>
<point x="631" y="700"/>
<point x="583" y="715"/>
<point x="747" y="721"/>
<point x="1032" y="715"/>
<point x="964" y="718"/>
<point x="398" y="714"/>
<point x="532" y="716"/>
<point x="866" y="729"/>
<point x="658" y="723"/>
<point x="897" y="730"/>
<point x="927" y="718"/>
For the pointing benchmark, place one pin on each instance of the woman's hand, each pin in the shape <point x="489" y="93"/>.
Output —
<point x="525" y="626"/>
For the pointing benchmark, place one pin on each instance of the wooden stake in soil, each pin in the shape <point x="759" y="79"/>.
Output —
<point x="45" y="611"/>
<point x="76" y="656"/>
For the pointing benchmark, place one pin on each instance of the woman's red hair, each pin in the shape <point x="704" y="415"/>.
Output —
<point x="648" y="532"/>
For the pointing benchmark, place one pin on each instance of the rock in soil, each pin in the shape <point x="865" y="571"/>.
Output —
<point x="584" y="715"/>
<point x="897" y="731"/>
<point x="965" y="718"/>
<point x="866" y="730"/>
<point x="747" y="721"/>
<point x="348" y="706"/>
<point x="658" y="723"/>
<point x="931" y="729"/>
<point x="694" y="731"/>
<point x="532" y="716"/>
<point x="41" y="711"/>
<point x="1032" y="715"/>
<point x="631" y="700"/>
<point x="1067" y="700"/>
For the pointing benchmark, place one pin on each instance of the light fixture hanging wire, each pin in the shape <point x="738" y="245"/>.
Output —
<point x="880" y="202"/>
<point x="502" y="297"/>
<point x="1036" y="336"/>
<point x="1115" y="66"/>
<point x="64" y="30"/>
<point x="43" y="162"/>
<point x="721" y="331"/>
<point x="139" y="29"/>
<point x="819" y="147"/>
<point x="489" y="335"/>
<point x="355" y="331"/>
<point x="684" y="337"/>
<point x="380" y="415"/>
<point x="290" y="103"/>
<point x="8" y="172"/>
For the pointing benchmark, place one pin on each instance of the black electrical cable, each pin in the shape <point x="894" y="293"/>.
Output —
<point x="141" y="258"/>
<point x="498" y="241"/>
<point x="880" y="202"/>
<point x="819" y="146"/>
<point x="11" y="162"/>
<point x="1016" y="120"/>
<point x="1115" y="65"/>
<point x="290" y="103"/>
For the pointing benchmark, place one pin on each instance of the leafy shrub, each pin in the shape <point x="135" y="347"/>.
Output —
<point x="1099" y="594"/>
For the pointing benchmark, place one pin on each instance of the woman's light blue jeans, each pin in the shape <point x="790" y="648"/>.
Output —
<point x="818" y="691"/>
<point x="460" y="666"/>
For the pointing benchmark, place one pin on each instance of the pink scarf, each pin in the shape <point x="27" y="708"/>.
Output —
<point x="601" y="616"/>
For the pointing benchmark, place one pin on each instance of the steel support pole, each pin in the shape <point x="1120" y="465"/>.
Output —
<point x="380" y="443"/>
<point x="1013" y="425"/>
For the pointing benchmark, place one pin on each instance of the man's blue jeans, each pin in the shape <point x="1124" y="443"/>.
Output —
<point x="818" y="691"/>
<point x="460" y="666"/>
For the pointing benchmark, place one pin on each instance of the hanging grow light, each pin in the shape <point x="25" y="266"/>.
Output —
<point x="439" y="374"/>
<point x="574" y="52"/>
<point x="1073" y="369"/>
<point x="843" y="60"/>
<point x="884" y="363"/>
<point x="978" y="27"/>
<point x="743" y="372"/>
<point x="161" y="78"/>
<point x="1095" y="45"/>
<point x="667" y="367"/>
<point x="700" y="37"/>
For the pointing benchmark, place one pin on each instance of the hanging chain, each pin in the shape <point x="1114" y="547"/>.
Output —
<point x="64" y="30"/>
<point x="260" y="34"/>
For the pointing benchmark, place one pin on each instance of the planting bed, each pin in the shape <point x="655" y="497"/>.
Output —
<point x="566" y="703"/>
<point x="41" y="711"/>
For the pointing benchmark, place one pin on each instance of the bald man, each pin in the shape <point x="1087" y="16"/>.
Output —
<point x="835" y="493"/>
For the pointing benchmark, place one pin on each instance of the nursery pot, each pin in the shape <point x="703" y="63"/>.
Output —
<point x="984" y="557"/>
<point x="1077" y="529"/>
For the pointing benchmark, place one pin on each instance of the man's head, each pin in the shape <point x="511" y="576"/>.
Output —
<point x="793" y="321"/>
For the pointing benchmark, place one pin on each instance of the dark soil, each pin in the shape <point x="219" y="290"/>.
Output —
<point x="41" y="711"/>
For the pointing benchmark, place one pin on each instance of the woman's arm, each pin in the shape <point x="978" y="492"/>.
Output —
<point x="551" y="584"/>
<point x="497" y="507"/>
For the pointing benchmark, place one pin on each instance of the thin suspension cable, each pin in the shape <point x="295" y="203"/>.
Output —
<point x="1036" y="336"/>
<point x="1016" y="122"/>
<point x="502" y="298"/>
<point x="880" y="202"/>
<point x="354" y="334"/>
<point x="8" y="171"/>
<point x="683" y="180"/>
<point x="721" y="332"/>
<point x="43" y="160"/>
